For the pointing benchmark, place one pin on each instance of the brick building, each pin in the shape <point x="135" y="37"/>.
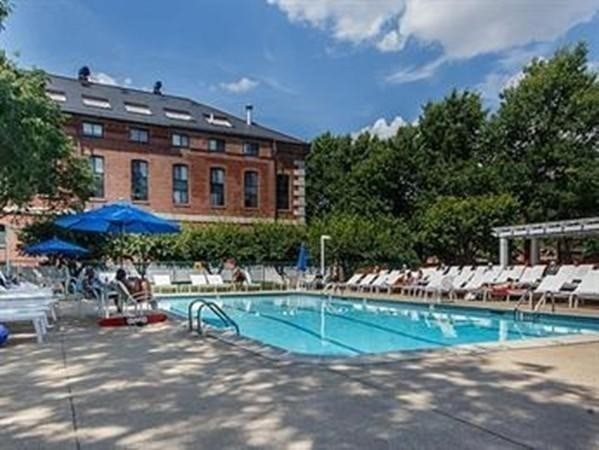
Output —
<point x="184" y="160"/>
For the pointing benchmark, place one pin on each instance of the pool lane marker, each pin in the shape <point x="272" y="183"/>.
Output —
<point x="304" y="330"/>
<point x="383" y="328"/>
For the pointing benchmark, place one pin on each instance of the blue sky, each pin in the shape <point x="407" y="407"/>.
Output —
<point x="308" y="66"/>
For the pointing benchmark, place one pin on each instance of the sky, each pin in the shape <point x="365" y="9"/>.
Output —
<point x="307" y="66"/>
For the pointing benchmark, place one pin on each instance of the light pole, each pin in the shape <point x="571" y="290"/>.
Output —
<point x="323" y="238"/>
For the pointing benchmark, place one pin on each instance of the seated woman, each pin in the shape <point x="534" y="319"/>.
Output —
<point x="139" y="289"/>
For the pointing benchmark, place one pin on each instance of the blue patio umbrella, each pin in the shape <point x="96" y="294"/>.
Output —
<point x="118" y="218"/>
<point x="302" y="258"/>
<point x="55" y="247"/>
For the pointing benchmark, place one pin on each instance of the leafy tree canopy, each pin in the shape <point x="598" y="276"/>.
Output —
<point x="37" y="159"/>
<point x="535" y="158"/>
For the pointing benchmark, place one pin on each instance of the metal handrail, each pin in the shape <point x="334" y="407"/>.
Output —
<point x="217" y="310"/>
<point x="518" y="303"/>
<point x="189" y="311"/>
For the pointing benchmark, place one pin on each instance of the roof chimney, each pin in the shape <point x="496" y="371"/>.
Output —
<point x="158" y="88"/>
<point x="84" y="74"/>
<point x="248" y="114"/>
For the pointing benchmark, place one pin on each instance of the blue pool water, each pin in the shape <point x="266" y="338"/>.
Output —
<point x="318" y="325"/>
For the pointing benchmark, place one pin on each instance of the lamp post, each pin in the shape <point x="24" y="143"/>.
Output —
<point x="323" y="238"/>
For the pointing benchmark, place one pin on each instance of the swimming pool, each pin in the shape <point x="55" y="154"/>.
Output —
<point x="332" y="326"/>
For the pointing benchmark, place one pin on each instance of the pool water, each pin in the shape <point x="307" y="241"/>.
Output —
<point x="329" y="326"/>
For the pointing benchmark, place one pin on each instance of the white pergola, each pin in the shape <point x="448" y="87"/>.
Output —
<point x="575" y="228"/>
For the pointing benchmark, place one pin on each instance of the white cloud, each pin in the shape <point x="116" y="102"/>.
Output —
<point x="382" y="129"/>
<point x="495" y="82"/>
<point x="468" y="28"/>
<point x="390" y="42"/>
<point x="240" y="86"/>
<point x="412" y="74"/>
<point x="103" y="78"/>
<point x="349" y="20"/>
<point x="461" y="28"/>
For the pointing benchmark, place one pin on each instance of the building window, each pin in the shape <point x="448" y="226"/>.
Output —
<point x="178" y="115"/>
<point x="217" y="187"/>
<point x="180" y="140"/>
<point x="3" y="236"/>
<point x="57" y="96"/>
<point x="180" y="184"/>
<point x="138" y="108"/>
<point x="96" y="102"/>
<point x="140" y="135"/>
<point x="282" y="191"/>
<point x="97" y="167"/>
<point x="251" y="148"/>
<point x="219" y="121"/>
<point x="93" y="129"/>
<point x="216" y="145"/>
<point x="250" y="189"/>
<point x="139" y="180"/>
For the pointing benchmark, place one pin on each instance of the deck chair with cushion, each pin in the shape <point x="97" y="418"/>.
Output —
<point x="587" y="289"/>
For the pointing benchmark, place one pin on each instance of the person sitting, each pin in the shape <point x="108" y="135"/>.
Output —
<point x="138" y="289"/>
<point x="239" y="277"/>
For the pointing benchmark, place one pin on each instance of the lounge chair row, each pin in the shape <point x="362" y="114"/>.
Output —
<point x="162" y="283"/>
<point x="572" y="283"/>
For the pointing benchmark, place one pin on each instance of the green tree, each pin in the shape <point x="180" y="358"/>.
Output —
<point x="547" y="127"/>
<point x="37" y="159"/>
<point x="4" y="10"/>
<point x="459" y="230"/>
<point x="358" y="240"/>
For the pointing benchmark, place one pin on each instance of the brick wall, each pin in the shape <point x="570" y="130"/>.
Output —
<point x="118" y="152"/>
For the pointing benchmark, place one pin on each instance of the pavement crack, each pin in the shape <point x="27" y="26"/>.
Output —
<point x="69" y="392"/>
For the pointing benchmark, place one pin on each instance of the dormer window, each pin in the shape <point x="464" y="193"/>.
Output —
<point x="96" y="102"/>
<point x="57" y="96"/>
<point x="136" y="108"/>
<point x="178" y="115"/>
<point x="219" y="121"/>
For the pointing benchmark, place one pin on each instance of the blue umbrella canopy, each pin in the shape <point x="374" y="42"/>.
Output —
<point x="302" y="258"/>
<point x="55" y="247"/>
<point x="118" y="218"/>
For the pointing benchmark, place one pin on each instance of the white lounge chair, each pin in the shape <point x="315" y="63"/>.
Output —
<point x="438" y="286"/>
<point x="365" y="282"/>
<point x="549" y="287"/>
<point x="36" y="317"/>
<point x="531" y="278"/>
<point x="587" y="289"/>
<point x="380" y="280"/>
<point x="352" y="282"/>
<point x="198" y="281"/>
<point x="216" y="282"/>
<point x="390" y="282"/>
<point x="162" y="283"/>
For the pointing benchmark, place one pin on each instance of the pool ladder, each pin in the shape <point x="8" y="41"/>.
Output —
<point x="519" y="315"/>
<point x="217" y="310"/>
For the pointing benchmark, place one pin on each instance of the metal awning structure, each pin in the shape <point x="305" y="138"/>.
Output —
<point x="564" y="228"/>
<point x="575" y="228"/>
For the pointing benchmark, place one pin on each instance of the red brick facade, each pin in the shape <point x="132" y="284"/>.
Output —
<point x="118" y="152"/>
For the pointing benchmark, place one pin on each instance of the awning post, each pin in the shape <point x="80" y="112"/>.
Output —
<point x="504" y="253"/>
<point x="534" y="251"/>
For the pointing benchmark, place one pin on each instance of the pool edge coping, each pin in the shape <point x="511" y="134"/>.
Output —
<point x="277" y="354"/>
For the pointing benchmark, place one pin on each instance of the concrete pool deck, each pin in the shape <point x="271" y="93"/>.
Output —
<point x="159" y="387"/>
